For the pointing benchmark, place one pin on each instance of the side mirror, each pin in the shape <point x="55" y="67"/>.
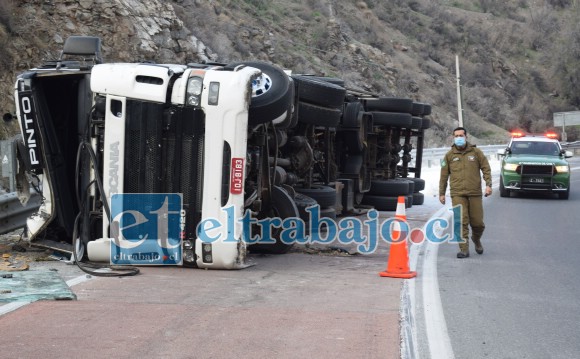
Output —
<point x="567" y="154"/>
<point x="503" y="151"/>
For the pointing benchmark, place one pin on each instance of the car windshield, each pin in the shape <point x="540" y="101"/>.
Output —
<point x="535" y="148"/>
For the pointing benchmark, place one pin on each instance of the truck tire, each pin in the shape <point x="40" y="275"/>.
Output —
<point x="325" y="196"/>
<point x="318" y="115"/>
<point x="416" y="122"/>
<point x="417" y="109"/>
<point x="426" y="123"/>
<point x="383" y="203"/>
<point x="392" y="187"/>
<point x="302" y="202"/>
<point x="419" y="183"/>
<point x="409" y="201"/>
<point x="272" y="98"/>
<point x="321" y="93"/>
<point x="389" y="104"/>
<point x="354" y="128"/>
<point x="283" y="206"/>
<point x="395" y="119"/>
<point x="418" y="198"/>
<point x="332" y="80"/>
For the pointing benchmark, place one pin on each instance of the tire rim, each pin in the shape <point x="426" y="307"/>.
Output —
<point x="261" y="85"/>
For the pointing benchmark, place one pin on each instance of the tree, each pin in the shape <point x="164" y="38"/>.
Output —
<point x="566" y="69"/>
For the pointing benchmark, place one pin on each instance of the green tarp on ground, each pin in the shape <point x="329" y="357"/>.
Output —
<point x="32" y="286"/>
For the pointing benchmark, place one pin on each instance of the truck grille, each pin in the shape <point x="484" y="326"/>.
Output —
<point x="164" y="154"/>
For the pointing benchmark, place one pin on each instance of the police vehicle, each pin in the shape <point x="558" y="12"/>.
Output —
<point x="534" y="163"/>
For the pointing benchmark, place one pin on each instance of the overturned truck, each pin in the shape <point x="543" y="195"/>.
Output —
<point x="237" y="139"/>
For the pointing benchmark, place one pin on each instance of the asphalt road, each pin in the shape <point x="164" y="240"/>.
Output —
<point x="311" y="303"/>
<point x="520" y="298"/>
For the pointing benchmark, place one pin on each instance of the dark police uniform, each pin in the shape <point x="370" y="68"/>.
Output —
<point x="462" y="169"/>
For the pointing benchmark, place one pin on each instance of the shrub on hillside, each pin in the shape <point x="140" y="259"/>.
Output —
<point x="6" y="9"/>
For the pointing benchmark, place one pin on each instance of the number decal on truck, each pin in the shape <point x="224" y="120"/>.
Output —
<point x="237" y="179"/>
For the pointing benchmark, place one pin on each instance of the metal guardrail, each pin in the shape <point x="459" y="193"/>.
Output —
<point x="13" y="214"/>
<point x="433" y="156"/>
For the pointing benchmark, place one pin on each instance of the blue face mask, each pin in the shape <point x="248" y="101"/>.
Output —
<point x="459" y="141"/>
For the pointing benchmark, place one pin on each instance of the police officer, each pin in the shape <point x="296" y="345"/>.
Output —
<point x="462" y="166"/>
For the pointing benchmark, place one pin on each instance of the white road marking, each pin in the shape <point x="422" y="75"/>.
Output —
<point x="435" y="325"/>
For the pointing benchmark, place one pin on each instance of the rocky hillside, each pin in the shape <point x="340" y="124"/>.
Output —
<point x="518" y="58"/>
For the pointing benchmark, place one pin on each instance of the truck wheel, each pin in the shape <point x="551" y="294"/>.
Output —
<point x="355" y="168"/>
<point x="389" y="104"/>
<point x="318" y="115"/>
<point x="302" y="202"/>
<point x="321" y="93"/>
<point x="418" y="198"/>
<point x="382" y="203"/>
<point x="409" y="201"/>
<point x="417" y="109"/>
<point x="283" y="206"/>
<point x="354" y="127"/>
<point x="396" y="119"/>
<point x="419" y="183"/>
<point x="393" y="187"/>
<point x="332" y="80"/>
<point x="272" y="93"/>
<point x="426" y="123"/>
<point x="325" y="196"/>
<point x="564" y="195"/>
<point x="416" y="123"/>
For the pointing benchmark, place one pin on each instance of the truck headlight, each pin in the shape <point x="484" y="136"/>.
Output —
<point x="193" y="91"/>
<point x="562" y="169"/>
<point x="510" y="166"/>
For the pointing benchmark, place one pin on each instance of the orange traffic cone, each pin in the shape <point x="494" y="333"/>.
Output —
<point x="398" y="266"/>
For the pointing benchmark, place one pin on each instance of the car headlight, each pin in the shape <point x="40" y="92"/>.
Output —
<point x="193" y="91"/>
<point x="510" y="166"/>
<point x="562" y="169"/>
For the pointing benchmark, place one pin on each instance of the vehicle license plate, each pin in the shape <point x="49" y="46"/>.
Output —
<point x="536" y="180"/>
